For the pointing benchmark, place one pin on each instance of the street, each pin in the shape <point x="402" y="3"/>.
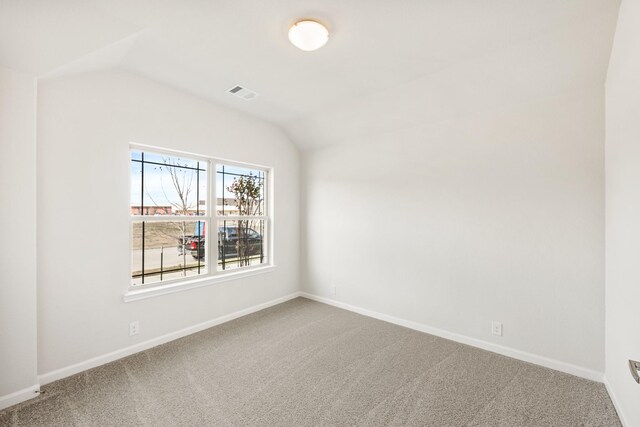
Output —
<point x="169" y="259"/>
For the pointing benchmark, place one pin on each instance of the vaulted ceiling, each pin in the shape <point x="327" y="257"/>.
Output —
<point x="388" y="64"/>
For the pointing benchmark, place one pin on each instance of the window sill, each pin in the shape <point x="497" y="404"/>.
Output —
<point x="154" y="291"/>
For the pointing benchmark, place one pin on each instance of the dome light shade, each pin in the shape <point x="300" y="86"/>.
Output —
<point x="308" y="35"/>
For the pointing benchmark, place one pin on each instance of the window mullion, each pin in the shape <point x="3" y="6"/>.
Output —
<point x="212" y="258"/>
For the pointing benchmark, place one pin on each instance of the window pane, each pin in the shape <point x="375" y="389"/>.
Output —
<point x="241" y="243"/>
<point x="167" y="185"/>
<point x="166" y="250"/>
<point x="240" y="191"/>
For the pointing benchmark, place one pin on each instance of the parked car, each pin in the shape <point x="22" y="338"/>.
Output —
<point x="227" y="243"/>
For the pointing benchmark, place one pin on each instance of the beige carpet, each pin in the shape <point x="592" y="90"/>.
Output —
<point x="303" y="363"/>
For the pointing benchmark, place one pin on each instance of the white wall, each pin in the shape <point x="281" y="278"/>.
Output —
<point x="18" y="334"/>
<point x="84" y="128"/>
<point x="623" y="213"/>
<point x="499" y="216"/>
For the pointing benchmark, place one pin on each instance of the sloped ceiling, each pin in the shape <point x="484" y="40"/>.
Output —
<point x="388" y="64"/>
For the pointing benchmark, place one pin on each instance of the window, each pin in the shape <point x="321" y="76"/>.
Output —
<point x="178" y="234"/>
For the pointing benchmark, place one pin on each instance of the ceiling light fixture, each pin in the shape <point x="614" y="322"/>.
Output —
<point x="308" y="35"/>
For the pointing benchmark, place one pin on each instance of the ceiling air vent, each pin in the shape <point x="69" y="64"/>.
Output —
<point x="242" y="92"/>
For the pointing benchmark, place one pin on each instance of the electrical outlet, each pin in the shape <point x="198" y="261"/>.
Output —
<point x="496" y="328"/>
<point x="333" y="289"/>
<point x="134" y="328"/>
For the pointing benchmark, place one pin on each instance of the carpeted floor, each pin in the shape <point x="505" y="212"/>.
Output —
<point x="305" y="363"/>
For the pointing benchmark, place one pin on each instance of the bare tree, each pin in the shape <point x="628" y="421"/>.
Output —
<point x="181" y="179"/>
<point x="247" y="192"/>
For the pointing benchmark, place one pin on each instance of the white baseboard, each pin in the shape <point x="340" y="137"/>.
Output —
<point x="495" y="348"/>
<point x="19" y="396"/>
<point x="127" y="351"/>
<point x="58" y="374"/>
<point x="616" y="403"/>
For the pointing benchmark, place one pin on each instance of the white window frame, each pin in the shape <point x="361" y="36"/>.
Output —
<point x="212" y="276"/>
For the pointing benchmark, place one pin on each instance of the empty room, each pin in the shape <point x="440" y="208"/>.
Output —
<point x="320" y="213"/>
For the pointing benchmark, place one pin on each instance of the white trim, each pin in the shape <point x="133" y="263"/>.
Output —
<point x="153" y="291"/>
<point x="616" y="403"/>
<point x="58" y="374"/>
<point x="168" y="218"/>
<point x="241" y="217"/>
<point x="143" y="147"/>
<point x="495" y="348"/>
<point x="19" y="396"/>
